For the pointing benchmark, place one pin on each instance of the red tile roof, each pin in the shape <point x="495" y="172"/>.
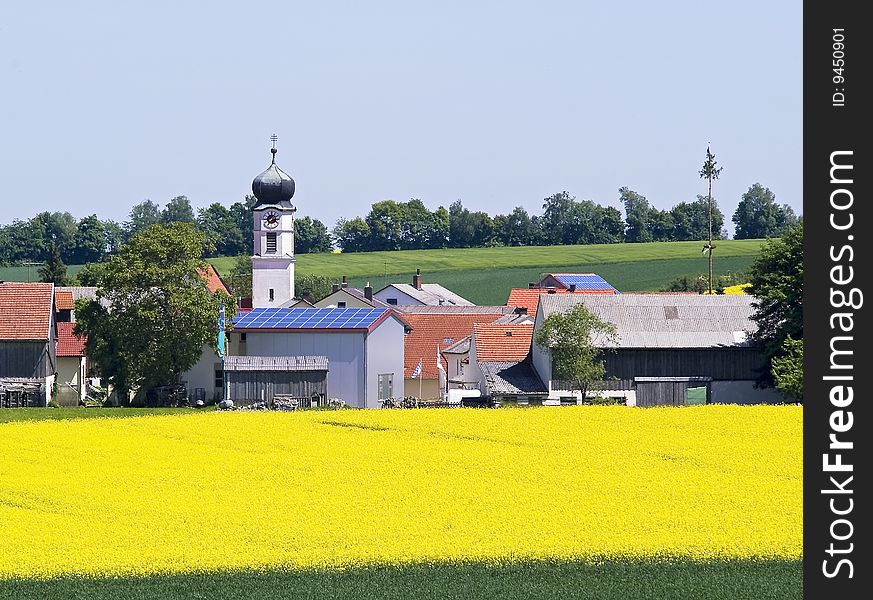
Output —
<point x="430" y="331"/>
<point x="64" y="300"/>
<point x="25" y="310"/>
<point x="212" y="279"/>
<point x="69" y="344"/>
<point x="529" y="298"/>
<point x="508" y="342"/>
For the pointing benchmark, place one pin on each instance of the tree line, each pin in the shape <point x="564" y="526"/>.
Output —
<point x="391" y="225"/>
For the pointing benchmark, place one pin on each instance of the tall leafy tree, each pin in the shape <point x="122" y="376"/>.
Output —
<point x="158" y="312"/>
<point x="575" y="340"/>
<point x="516" y="228"/>
<point x="637" y="218"/>
<point x="758" y="215"/>
<point x="776" y="279"/>
<point x="385" y="221"/>
<point x="691" y="220"/>
<point x="54" y="229"/>
<point x="90" y="241"/>
<point x="310" y="235"/>
<point x="54" y="270"/>
<point x="141" y="216"/>
<point x="178" y="210"/>
<point x="242" y="215"/>
<point x="221" y="229"/>
<point x="352" y="235"/>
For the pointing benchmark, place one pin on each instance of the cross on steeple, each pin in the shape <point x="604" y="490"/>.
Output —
<point x="274" y="138"/>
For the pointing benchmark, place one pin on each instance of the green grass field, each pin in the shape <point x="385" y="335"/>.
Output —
<point x="640" y="580"/>
<point x="30" y="273"/>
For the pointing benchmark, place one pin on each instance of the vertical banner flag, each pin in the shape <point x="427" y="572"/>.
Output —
<point x="221" y="341"/>
<point x="417" y="370"/>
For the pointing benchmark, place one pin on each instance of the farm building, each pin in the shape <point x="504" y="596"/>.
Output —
<point x="500" y="366"/>
<point x="419" y="293"/>
<point x="28" y="359"/>
<point x="250" y="379"/>
<point x="72" y="366"/>
<point x="558" y="283"/>
<point x="669" y="349"/>
<point x="363" y="346"/>
<point x="431" y="332"/>
<point x="343" y="296"/>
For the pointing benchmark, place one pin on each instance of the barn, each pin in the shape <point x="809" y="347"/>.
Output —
<point x="362" y="348"/>
<point x="250" y="379"/>
<point x="670" y="349"/>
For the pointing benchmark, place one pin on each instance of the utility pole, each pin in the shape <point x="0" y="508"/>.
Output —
<point x="710" y="172"/>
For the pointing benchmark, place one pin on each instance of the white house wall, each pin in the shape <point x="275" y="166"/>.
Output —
<point x="344" y="352"/>
<point x="202" y="374"/>
<point x="403" y="299"/>
<point x="384" y="355"/>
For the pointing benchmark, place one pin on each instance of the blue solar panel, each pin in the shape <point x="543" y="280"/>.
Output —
<point x="308" y="318"/>
<point x="584" y="282"/>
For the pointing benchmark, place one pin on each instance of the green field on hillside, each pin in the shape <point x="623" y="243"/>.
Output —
<point x="30" y="273"/>
<point x="372" y="264"/>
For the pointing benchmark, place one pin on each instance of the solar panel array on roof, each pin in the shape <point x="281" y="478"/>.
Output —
<point x="308" y="318"/>
<point x="587" y="281"/>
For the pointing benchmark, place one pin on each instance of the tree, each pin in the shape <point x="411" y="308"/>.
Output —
<point x="636" y="211"/>
<point x="141" y="216"/>
<point x="54" y="270"/>
<point x="776" y="279"/>
<point x="516" y="228"/>
<point x="221" y="229"/>
<point x="787" y="369"/>
<point x="240" y="280"/>
<point x="58" y="229"/>
<point x="758" y="215"/>
<point x="242" y="214"/>
<point x="352" y="235"/>
<point x="709" y="171"/>
<point x="691" y="220"/>
<point x="385" y="221"/>
<point x="153" y="312"/>
<point x="178" y="210"/>
<point x="310" y="235"/>
<point x="575" y="340"/>
<point x="90" y="241"/>
<point x="318" y="286"/>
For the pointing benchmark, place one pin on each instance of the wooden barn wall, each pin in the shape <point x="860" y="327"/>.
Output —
<point x="24" y="359"/>
<point x="246" y="386"/>
<point x="718" y="363"/>
<point x="660" y="393"/>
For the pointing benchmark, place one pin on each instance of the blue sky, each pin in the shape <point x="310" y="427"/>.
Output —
<point x="499" y="104"/>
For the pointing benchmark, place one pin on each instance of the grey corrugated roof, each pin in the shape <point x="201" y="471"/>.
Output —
<point x="275" y="363"/>
<point x="423" y="309"/>
<point x="665" y="321"/>
<point x="511" y="378"/>
<point x="432" y="293"/>
<point x="462" y="346"/>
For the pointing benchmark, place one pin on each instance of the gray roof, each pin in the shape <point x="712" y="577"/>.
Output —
<point x="88" y="292"/>
<point x="423" y="309"/>
<point x="275" y="363"/>
<point x="431" y="293"/>
<point x="511" y="378"/>
<point x="359" y="294"/>
<point x="665" y="321"/>
<point x="462" y="346"/>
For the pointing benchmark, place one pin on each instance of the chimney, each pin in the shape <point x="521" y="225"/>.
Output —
<point x="307" y="296"/>
<point x="416" y="279"/>
<point x="531" y="285"/>
<point x="508" y="333"/>
<point x="334" y="288"/>
<point x="345" y="282"/>
<point x="572" y="288"/>
<point x="368" y="291"/>
<point x="521" y="310"/>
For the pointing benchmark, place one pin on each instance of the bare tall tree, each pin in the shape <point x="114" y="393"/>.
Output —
<point x="710" y="172"/>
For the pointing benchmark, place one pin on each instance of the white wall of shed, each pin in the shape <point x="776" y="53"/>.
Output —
<point x="384" y="347"/>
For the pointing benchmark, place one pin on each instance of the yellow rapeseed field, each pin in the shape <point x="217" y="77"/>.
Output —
<point x="332" y="489"/>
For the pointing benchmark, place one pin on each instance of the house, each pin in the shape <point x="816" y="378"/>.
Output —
<point x="419" y="293"/>
<point x="500" y="363"/>
<point x="558" y="283"/>
<point x="432" y="332"/>
<point x="669" y="349"/>
<point x="363" y="347"/>
<point x="343" y="296"/>
<point x="28" y="359"/>
<point x="72" y="370"/>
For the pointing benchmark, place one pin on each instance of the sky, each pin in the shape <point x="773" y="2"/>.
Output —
<point x="498" y="104"/>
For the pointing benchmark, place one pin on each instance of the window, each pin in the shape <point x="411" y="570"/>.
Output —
<point x="340" y="304"/>
<point x="271" y="242"/>
<point x="460" y="367"/>
<point x="242" y="338"/>
<point x="386" y="386"/>
<point x="392" y="301"/>
<point x="219" y="378"/>
<point x="272" y="295"/>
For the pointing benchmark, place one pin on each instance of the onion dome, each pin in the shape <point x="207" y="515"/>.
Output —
<point x="273" y="187"/>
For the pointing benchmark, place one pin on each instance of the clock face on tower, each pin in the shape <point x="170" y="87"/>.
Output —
<point x="271" y="220"/>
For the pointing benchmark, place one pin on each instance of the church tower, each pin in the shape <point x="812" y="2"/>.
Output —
<point x="273" y="256"/>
